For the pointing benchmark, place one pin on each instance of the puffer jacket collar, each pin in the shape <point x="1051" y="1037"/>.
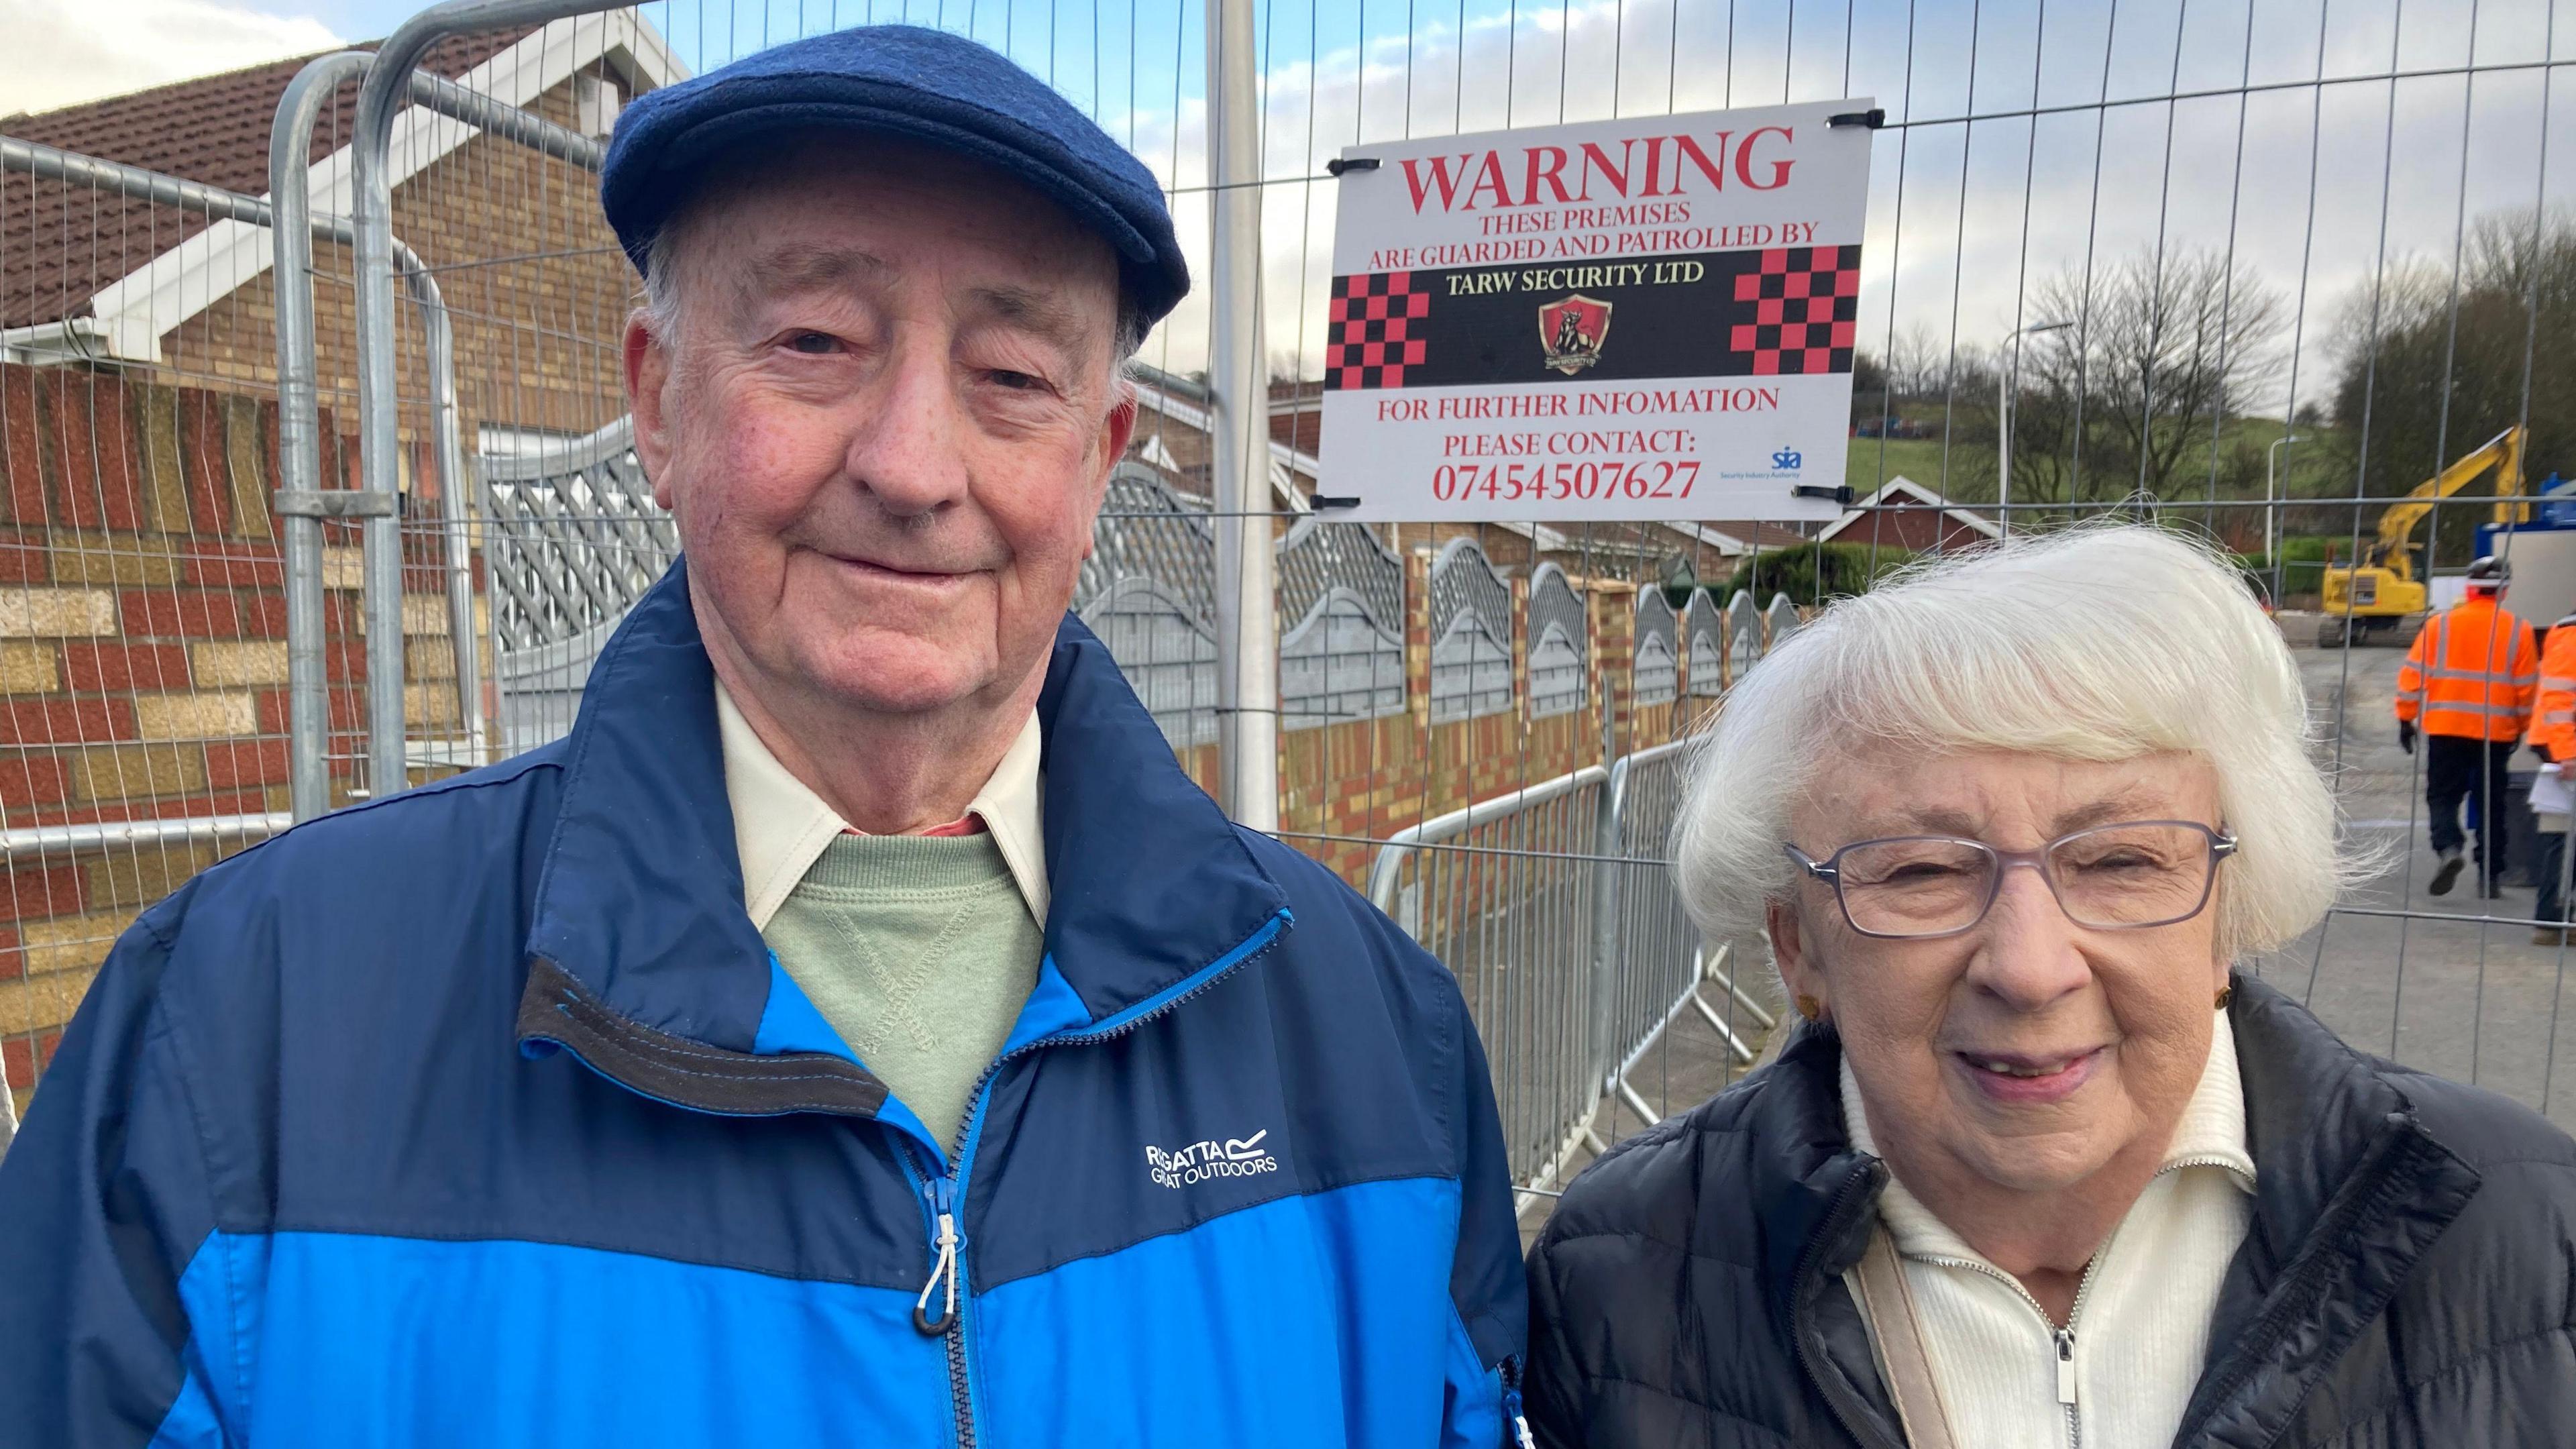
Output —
<point x="1817" y="1198"/>
<point x="642" y="960"/>
<point x="2351" y="1190"/>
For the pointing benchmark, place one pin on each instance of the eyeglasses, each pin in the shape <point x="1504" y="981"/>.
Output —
<point x="2124" y="877"/>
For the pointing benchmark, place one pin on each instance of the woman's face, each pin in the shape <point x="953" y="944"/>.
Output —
<point x="2027" y="1051"/>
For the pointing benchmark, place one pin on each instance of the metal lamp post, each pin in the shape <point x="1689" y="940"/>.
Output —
<point x="2005" y="382"/>
<point x="2271" y="462"/>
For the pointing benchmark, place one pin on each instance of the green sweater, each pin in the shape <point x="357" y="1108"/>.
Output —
<point x="920" y="951"/>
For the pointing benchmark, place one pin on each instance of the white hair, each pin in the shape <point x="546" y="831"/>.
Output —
<point x="2093" y="643"/>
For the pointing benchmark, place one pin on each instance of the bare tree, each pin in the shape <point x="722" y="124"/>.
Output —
<point x="2128" y="398"/>
<point x="2436" y="363"/>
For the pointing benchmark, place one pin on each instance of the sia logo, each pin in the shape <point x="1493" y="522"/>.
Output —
<point x="1571" y="330"/>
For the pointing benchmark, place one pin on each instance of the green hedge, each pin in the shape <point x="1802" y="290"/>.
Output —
<point x="1811" y="573"/>
<point x="2303" y="564"/>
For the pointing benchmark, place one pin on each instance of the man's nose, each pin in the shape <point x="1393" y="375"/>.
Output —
<point x="905" y="452"/>
<point x="2030" y="955"/>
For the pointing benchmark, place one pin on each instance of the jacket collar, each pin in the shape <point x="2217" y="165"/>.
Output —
<point x="1816" y="1196"/>
<point x="2352" y="1190"/>
<point x="640" y="943"/>
<point x="1809" y="1172"/>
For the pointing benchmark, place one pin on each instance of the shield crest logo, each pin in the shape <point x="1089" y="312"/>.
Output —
<point x="1571" y="331"/>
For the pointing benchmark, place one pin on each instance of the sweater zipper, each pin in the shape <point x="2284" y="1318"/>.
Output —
<point x="940" y="1311"/>
<point x="2062" y="1340"/>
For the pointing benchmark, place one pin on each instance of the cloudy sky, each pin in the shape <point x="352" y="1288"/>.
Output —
<point x="2033" y="135"/>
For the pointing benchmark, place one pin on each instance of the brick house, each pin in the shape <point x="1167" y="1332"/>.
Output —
<point x="142" y="617"/>
<point x="1905" y="514"/>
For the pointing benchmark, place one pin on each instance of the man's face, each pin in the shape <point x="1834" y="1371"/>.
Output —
<point x="885" y="423"/>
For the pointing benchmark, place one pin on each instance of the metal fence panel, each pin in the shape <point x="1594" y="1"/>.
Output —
<point x="2349" y="207"/>
<point x="572" y="537"/>
<point x="143" y="655"/>
<point x="1503" y="892"/>
<point x="1341" y="622"/>
<point x="1559" y="646"/>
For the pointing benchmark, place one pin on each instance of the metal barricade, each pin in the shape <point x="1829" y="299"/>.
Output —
<point x="144" y="626"/>
<point x="1504" y="893"/>
<point x="2109" y="192"/>
<point x="1652" y="960"/>
<point x="1555" y="906"/>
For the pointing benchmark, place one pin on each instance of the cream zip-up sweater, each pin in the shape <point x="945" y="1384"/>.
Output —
<point x="2121" y="1372"/>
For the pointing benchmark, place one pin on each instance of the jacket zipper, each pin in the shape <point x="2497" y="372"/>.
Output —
<point x="944" y="1189"/>
<point x="1851" y="1416"/>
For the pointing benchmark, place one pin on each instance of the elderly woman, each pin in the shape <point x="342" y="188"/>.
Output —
<point x="2038" y="1168"/>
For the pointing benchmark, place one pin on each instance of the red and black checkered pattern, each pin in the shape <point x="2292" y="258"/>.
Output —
<point x="1806" y="309"/>
<point x="1376" y="330"/>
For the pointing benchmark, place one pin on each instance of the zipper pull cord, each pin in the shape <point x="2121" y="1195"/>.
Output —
<point x="942" y="1269"/>
<point x="1512" y="1416"/>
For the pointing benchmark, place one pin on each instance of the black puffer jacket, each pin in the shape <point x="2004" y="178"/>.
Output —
<point x="2409" y="1278"/>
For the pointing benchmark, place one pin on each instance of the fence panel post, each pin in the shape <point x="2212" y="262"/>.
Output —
<point x="299" y="427"/>
<point x="1246" y="605"/>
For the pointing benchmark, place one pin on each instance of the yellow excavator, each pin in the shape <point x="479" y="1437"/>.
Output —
<point x="2382" y="587"/>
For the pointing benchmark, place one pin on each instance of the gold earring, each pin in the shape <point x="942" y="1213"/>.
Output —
<point x="2226" y="994"/>
<point x="1810" y="1008"/>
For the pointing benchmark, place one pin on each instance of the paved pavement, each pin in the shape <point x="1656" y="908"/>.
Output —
<point x="2453" y="985"/>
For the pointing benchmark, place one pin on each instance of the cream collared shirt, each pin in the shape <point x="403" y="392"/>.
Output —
<point x="2140" y="1330"/>
<point x="780" y="827"/>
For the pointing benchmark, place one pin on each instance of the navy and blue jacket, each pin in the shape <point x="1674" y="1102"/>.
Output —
<point x="480" y="1115"/>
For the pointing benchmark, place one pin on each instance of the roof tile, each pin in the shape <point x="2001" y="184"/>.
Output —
<point x="61" y="244"/>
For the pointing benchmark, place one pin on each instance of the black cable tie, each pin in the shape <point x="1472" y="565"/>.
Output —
<point x="1340" y="164"/>
<point x="1335" y="500"/>
<point x="1842" y="495"/>
<point x="1875" y="118"/>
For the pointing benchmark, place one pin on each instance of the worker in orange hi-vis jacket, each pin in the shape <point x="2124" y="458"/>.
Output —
<point x="2553" y="738"/>
<point x="2468" y="685"/>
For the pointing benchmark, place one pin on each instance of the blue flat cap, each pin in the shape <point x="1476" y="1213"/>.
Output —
<point x="903" y="80"/>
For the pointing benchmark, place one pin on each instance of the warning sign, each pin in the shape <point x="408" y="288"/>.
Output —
<point x="1649" y="318"/>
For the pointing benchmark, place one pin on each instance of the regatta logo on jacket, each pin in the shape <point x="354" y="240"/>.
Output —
<point x="1204" y="1161"/>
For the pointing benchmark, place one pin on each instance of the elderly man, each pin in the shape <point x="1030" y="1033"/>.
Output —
<point x="858" y="1030"/>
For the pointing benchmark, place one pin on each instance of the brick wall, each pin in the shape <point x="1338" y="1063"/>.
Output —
<point x="537" y="294"/>
<point x="143" y="654"/>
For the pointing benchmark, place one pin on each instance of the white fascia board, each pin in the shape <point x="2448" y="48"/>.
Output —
<point x="1900" y="484"/>
<point x="137" y="310"/>
<point x="1725" y="545"/>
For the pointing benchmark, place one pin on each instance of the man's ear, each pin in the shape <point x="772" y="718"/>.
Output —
<point x="1115" y="432"/>
<point x="647" y="365"/>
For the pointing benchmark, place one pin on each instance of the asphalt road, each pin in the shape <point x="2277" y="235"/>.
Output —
<point x="2451" y="984"/>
